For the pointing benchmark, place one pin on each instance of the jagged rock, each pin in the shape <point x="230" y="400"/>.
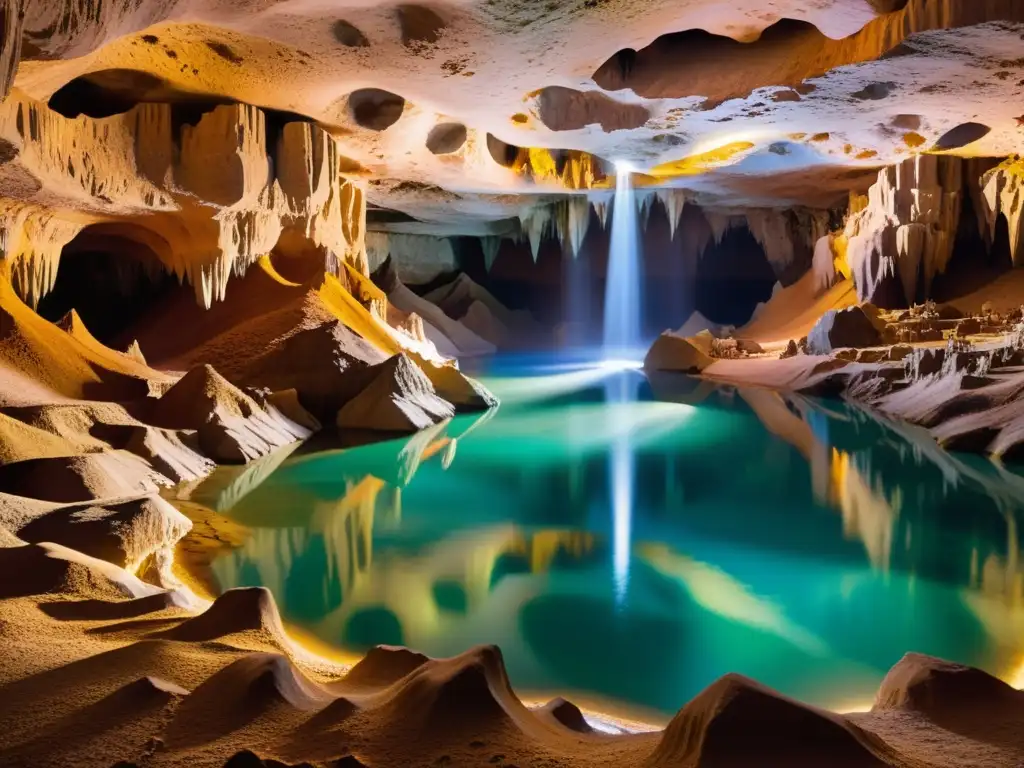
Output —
<point x="854" y="327"/>
<point x="230" y="425"/>
<point x="398" y="398"/>
<point x="1003" y="193"/>
<point x="923" y="362"/>
<point x="902" y="235"/>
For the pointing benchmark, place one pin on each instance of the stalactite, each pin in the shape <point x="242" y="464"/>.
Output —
<point x="904" y="230"/>
<point x="601" y="203"/>
<point x="674" y="201"/>
<point x="31" y="241"/>
<point x="720" y="223"/>
<point x="645" y="200"/>
<point x="214" y="206"/>
<point x="771" y="230"/>
<point x="572" y="219"/>
<point x="490" y="245"/>
<point x="536" y="222"/>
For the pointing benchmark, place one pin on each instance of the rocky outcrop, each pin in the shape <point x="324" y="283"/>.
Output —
<point x="124" y="533"/>
<point x="1002" y="194"/>
<point x="902" y="234"/>
<point x="218" y="192"/>
<point x="671" y="352"/>
<point x="398" y="398"/>
<point x="230" y="425"/>
<point x="855" y="327"/>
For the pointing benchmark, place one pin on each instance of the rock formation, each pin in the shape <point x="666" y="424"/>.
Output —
<point x="338" y="191"/>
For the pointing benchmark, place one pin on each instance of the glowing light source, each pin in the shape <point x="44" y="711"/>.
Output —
<point x="617" y="364"/>
<point x="624" y="166"/>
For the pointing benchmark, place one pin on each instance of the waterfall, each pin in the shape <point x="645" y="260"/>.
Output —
<point x="622" y="291"/>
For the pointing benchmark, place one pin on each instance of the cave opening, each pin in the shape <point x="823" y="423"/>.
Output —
<point x="110" y="278"/>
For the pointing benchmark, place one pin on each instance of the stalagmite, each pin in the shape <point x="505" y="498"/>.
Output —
<point x="1003" y="193"/>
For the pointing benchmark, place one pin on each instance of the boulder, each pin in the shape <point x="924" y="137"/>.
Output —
<point x="676" y="353"/>
<point x="854" y="327"/>
<point x="398" y="398"/>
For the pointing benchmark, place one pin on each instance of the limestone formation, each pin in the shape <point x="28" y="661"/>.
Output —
<point x="1002" y="192"/>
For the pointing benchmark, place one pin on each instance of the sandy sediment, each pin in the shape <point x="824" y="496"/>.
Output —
<point x="131" y="673"/>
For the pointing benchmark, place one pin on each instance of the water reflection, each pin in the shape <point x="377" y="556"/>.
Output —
<point x="636" y="549"/>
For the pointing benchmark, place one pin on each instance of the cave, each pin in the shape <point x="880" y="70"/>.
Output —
<point x="111" y="278"/>
<point x="372" y="374"/>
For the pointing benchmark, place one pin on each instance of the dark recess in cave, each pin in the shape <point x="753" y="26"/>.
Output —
<point x="503" y="154"/>
<point x="693" y="45"/>
<point x="725" y="283"/>
<point x="110" y="280"/>
<point x="374" y="108"/>
<point x="732" y="278"/>
<point x="105" y="93"/>
<point x="973" y="264"/>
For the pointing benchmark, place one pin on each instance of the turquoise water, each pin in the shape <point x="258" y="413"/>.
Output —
<point x="629" y="550"/>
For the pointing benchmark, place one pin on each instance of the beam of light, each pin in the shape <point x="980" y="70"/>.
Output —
<point x="622" y="514"/>
<point x="619" y="391"/>
<point x="530" y="389"/>
<point x="624" y="167"/>
<point x="622" y="289"/>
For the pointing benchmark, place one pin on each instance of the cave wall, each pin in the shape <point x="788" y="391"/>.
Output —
<point x="207" y="197"/>
<point x="926" y="214"/>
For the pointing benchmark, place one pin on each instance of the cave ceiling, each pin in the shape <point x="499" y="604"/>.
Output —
<point x="461" y="115"/>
